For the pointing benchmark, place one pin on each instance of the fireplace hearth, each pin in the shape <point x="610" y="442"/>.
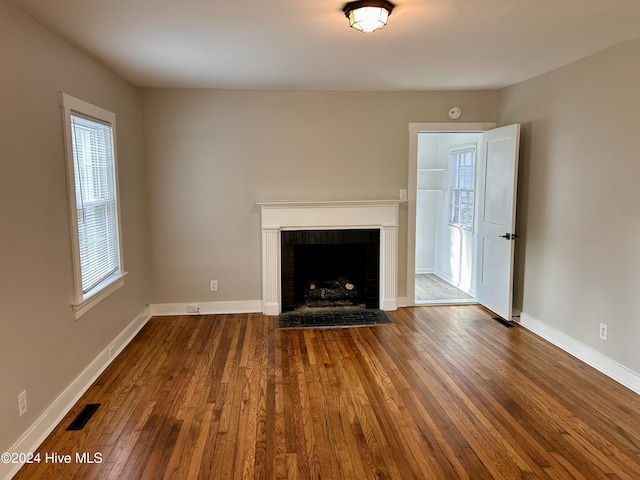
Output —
<point x="332" y="318"/>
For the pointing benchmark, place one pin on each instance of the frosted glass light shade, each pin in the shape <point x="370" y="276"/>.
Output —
<point x="368" y="15"/>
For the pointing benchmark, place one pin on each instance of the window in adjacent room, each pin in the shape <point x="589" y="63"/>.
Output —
<point x="93" y="202"/>
<point x="463" y="162"/>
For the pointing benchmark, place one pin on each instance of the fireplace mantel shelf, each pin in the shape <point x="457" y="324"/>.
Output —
<point x="326" y="203"/>
<point x="277" y="216"/>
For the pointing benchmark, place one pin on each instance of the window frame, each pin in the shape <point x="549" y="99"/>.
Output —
<point x="83" y="301"/>
<point x="454" y="167"/>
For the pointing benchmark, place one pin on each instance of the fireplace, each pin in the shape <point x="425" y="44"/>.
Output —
<point x="330" y="268"/>
<point x="280" y="218"/>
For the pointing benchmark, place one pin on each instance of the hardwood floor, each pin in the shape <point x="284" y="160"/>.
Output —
<point x="442" y="393"/>
<point x="431" y="289"/>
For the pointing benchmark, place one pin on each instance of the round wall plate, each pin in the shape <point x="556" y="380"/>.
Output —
<point x="454" y="113"/>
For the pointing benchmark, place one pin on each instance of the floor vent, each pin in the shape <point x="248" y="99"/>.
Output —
<point x="84" y="416"/>
<point x="506" y="323"/>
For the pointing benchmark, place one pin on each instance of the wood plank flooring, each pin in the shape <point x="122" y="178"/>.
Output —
<point x="432" y="289"/>
<point x="442" y="393"/>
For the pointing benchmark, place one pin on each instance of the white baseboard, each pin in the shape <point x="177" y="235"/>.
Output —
<point x="245" y="306"/>
<point x="445" y="277"/>
<point x="53" y="415"/>
<point x="404" y="302"/>
<point x="610" y="368"/>
<point x="389" y="304"/>
<point x="271" y="308"/>
<point x="207" y="308"/>
<point x="424" y="271"/>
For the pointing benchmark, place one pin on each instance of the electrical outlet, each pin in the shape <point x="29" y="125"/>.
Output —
<point x="112" y="349"/>
<point x="22" y="403"/>
<point x="403" y="194"/>
<point x="603" y="331"/>
<point x="193" y="308"/>
<point x="213" y="285"/>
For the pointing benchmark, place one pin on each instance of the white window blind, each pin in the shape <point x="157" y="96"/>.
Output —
<point x="92" y="169"/>
<point x="96" y="202"/>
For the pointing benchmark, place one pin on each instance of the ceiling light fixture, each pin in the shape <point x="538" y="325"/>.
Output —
<point x="368" y="15"/>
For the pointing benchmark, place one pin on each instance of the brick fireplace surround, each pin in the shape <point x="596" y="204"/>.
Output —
<point x="278" y="216"/>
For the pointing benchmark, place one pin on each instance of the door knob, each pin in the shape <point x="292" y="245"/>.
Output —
<point x="509" y="236"/>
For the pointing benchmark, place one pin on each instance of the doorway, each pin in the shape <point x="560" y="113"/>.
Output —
<point x="445" y="193"/>
<point x="494" y="208"/>
<point x="416" y="131"/>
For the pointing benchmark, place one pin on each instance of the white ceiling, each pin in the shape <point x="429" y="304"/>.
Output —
<point x="307" y="44"/>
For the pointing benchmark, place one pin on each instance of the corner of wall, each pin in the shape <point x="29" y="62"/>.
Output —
<point x="53" y="415"/>
<point x="603" y="364"/>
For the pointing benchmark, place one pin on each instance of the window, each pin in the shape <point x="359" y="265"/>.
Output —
<point x="93" y="202"/>
<point x="463" y="162"/>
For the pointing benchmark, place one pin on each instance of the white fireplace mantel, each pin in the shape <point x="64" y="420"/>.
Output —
<point x="328" y="215"/>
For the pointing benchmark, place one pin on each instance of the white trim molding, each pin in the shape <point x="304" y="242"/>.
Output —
<point x="603" y="364"/>
<point x="53" y="415"/>
<point x="87" y="296"/>
<point x="328" y="215"/>
<point x="206" y="308"/>
<point x="109" y="286"/>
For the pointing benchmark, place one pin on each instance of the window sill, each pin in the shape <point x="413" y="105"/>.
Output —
<point x="99" y="293"/>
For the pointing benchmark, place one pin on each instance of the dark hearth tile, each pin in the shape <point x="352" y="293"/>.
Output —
<point x="321" y="318"/>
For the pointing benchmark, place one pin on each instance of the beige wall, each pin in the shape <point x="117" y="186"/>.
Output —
<point x="579" y="255"/>
<point x="42" y="348"/>
<point x="210" y="155"/>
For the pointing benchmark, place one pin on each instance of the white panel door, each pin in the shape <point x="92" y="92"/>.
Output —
<point x="496" y="215"/>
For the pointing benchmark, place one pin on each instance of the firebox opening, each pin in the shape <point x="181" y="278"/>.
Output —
<point x="330" y="268"/>
<point x="329" y="275"/>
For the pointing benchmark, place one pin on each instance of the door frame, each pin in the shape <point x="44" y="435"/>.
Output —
<point x="412" y="187"/>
